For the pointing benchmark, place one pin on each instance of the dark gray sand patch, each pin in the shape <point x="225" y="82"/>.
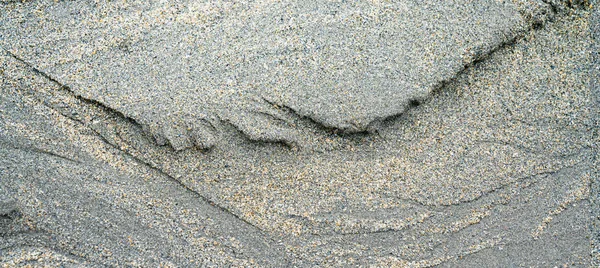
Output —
<point x="595" y="88"/>
<point x="179" y="69"/>
<point x="40" y="257"/>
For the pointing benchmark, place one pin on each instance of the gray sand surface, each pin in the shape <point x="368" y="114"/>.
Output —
<point x="388" y="133"/>
<point x="181" y="69"/>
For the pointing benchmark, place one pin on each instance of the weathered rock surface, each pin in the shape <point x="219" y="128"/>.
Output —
<point x="496" y="165"/>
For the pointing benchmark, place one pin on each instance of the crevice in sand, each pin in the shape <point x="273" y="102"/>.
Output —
<point x="39" y="151"/>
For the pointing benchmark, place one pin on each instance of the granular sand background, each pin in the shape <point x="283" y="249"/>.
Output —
<point x="494" y="168"/>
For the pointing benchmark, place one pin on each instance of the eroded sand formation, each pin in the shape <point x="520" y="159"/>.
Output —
<point x="407" y="133"/>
